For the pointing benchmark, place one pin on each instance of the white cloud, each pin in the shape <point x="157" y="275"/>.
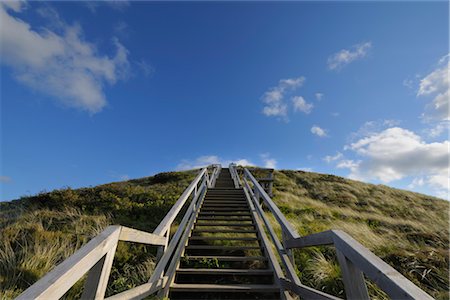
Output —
<point x="319" y="131"/>
<point x="409" y="83"/>
<point x="417" y="182"/>
<point x="301" y="105"/>
<point x="438" y="130"/>
<point x="206" y="160"/>
<point x="118" y="5"/>
<point x="330" y="158"/>
<point x="372" y="127"/>
<point x="275" y="105"/>
<point x="319" y="96"/>
<point x="268" y="161"/>
<point x="305" y="169"/>
<point x="62" y="65"/>
<point x="436" y="85"/>
<point x="5" y="179"/>
<point x="396" y="153"/>
<point x="145" y="67"/>
<point x="346" y="56"/>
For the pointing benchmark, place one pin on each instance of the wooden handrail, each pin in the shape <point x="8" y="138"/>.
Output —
<point x="57" y="282"/>
<point x="287" y="227"/>
<point x="354" y="259"/>
<point x="97" y="255"/>
<point x="173" y="212"/>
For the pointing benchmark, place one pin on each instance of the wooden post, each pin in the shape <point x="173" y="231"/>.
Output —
<point x="162" y="249"/>
<point x="270" y="184"/>
<point x="355" y="285"/>
<point x="289" y="252"/>
<point x="97" y="280"/>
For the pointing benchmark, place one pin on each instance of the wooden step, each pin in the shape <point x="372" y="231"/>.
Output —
<point x="184" y="287"/>
<point x="226" y="224"/>
<point x="223" y="219"/>
<point x="225" y="271"/>
<point x="222" y="238"/>
<point x="227" y="258"/>
<point x="224" y="231"/>
<point x="222" y="214"/>
<point x="225" y="204"/>
<point x="227" y="248"/>
<point x="224" y="210"/>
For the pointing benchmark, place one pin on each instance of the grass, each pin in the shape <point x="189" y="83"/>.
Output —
<point x="407" y="230"/>
<point x="41" y="231"/>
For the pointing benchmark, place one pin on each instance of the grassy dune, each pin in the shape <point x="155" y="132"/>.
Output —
<point x="408" y="230"/>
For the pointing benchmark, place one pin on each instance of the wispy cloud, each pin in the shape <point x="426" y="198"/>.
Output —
<point x="436" y="85"/>
<point x="274" y="99"/>
<point x="319" y="96"/>
<point x="345" y="56"/>
<point x="118" y="5"/>
<point x="5" y="179"/>
<point x="320" y="132"/>
<point x="300" y="104"/>
<point x="331" y="158"/>
<point x="268" y="161"/>
<point x="59" y="63"/>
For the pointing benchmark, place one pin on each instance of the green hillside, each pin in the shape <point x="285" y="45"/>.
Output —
<point x="408" y="230"/>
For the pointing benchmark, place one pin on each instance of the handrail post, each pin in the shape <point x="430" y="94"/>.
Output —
<point x="353" y="278"/>
<point x="97" y="280"/>
<point x="289" y="252"/>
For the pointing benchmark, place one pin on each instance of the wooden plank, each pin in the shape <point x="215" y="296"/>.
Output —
<point x="316" y="239"/>
<point x="209" y="287"/>
<point x="208" y="247"/>
<point x="161" y="265"/>
<point x="226" y="224"/>
<point x="140" y="291"/>
<point x="224" y="231"/>
<point x="285" y="259"/>
<point x="97" y="280"/>
<point x="137" y="236"/>
<point x="223" y="238"/>
<point x="57" y="282"/>
<point x="306" y="292"/>
<point x="178" y="252"/>
<point x="353" y="278"/>
<point x="387" y="278"/>
<point x="173" y="212"/>
<point x="225" y="271"/>
<point x="227" y="258"/>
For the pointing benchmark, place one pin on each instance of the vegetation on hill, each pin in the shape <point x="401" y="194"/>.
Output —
<point x="407" y="230"/>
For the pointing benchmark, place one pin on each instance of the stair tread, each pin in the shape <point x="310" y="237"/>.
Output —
<point x="223" y="238"/>
<point x="226" y="224"/>
<point x="224" y="231"/>
<point x="224" y="287"/>
<point x="200" y="247"/>
<point x="227" y="257"/>
<point x="224" y="271"/>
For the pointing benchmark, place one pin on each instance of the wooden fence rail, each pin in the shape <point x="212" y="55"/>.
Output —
<point x="96" y="257"/>
<point x="354" y="259"/>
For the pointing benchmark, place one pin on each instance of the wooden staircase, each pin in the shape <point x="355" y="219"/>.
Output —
<point x="221" y="250"/>
<point x="224" y="257"/>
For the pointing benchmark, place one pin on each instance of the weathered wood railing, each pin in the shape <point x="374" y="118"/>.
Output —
<point x="96" y="257"/>
<point x="354" y="259"/>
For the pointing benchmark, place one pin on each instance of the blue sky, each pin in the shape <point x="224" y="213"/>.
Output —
<point x="99" y="92"/>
